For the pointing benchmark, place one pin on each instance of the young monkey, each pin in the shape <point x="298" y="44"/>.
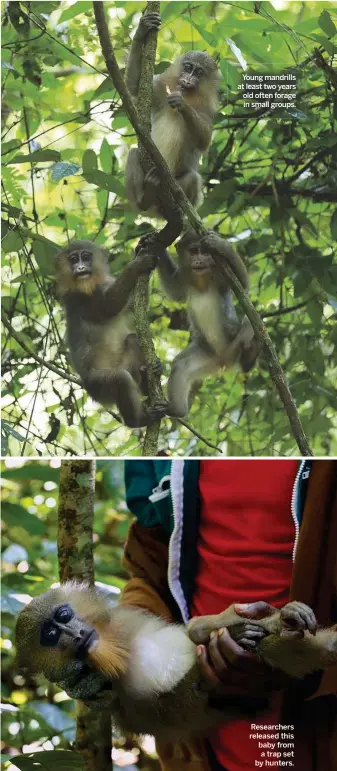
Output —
<point x="103" y="344"/>
<point x="183" y="107"/>
<point x="218" y="339"/>
<point x="146" y="667"/>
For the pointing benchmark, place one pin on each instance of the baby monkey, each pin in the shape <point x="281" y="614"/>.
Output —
<point x="183" y="107"/>
<point x="103" y="343"/>
<point x="147" y="669"/>
<point x="218" y="339"/>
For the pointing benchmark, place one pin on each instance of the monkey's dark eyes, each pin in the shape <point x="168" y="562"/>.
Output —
<point x="63" y="614"/>
<point x="49" y="634"/>
<point x="188" y="67"/>
<point x="85" y="255"/>
<point x="199" y="72"/>
<point x="73" y="258"/>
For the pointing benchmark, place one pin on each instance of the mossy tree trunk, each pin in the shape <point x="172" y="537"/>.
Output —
<point x="75" y="552"/>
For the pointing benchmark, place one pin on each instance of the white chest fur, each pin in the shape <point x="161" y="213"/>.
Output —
<point x="206" y="312"/>
<point x="112" y="339"/>
<point x="168" y="134"/>
<point x="161" y="656"/>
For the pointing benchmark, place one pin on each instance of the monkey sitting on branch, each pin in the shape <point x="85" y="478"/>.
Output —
<point x="147" y="668"/>
<point x="104" y="347"/>
<point x="183" y="107"/>
<point x="218" y="338"/>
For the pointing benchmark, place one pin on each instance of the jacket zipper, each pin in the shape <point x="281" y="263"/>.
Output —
<point x="174" y="550"/>
<point x="294" y="507"/>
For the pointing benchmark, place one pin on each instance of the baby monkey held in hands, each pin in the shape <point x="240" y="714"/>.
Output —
<point x="144" y="669"/>
<point x="183" y="107"/>
<point x="103" y="343"/>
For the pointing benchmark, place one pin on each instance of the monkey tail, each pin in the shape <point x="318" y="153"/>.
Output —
<point x="298" y="656"/>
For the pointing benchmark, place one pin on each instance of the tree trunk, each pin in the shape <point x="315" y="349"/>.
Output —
<point x="75" y="553"/>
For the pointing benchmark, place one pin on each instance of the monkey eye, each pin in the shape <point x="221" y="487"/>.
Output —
<point x="73" y="258"/>
<point x="49" y="634"/>
<point x="63" y="614"/>
<point x="188" y="67"/>
<point x="86" y="255"/>
<point x="199" y="72"/>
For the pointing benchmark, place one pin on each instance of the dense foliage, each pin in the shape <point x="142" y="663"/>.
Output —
<point x="36" y="717"/>
<point x="270" y="183"/>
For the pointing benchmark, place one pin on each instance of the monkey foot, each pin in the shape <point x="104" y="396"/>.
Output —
<point x="151" y="177"/>
<point x="157" y="410"/>
<point x="247" y="634"/>
<point x="296" y="618"/>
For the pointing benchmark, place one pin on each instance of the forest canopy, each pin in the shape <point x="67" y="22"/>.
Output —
<point x="269" y="183"/>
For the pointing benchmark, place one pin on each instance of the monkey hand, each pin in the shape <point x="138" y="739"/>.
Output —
<point x="176" y="100"/>
<point x="212" y="242"/>
<point x="227" y="668"/>
<point x="147" y="23"/>
<point x="146" y="259"/>
<point x="88" y="685"/>
<point x="296" y="618"/>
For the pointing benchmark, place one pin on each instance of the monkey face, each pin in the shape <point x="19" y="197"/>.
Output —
<point x="81" y="266"/>
<point x="80" y="262"/>
<point x="196" y="66"/>
<point x="53" y="634"/>
<point x="198" y="260"/>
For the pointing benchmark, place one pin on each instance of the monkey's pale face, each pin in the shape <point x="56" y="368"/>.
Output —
<point x="81" y="266"/>
<point x="196" y="67"/>
<point x="197" y="260"/>
<point x="190" y="76"/>
<point x="81" y="263"/>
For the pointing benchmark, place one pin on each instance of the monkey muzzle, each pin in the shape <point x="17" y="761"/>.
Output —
<point x="202" y="264"/>
<point x="81" y="272"/>
<point x="86" y="641"/>
<point x="188" y="83"/>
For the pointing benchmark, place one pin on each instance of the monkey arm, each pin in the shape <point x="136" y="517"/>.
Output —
<point x="132" y="73"/>
<point x="223" y="249"/>
<point x="149" y="21"/>
<point x="199" y="125"/>
<point x="171" y="278"/>
<point x="117" y="293"/>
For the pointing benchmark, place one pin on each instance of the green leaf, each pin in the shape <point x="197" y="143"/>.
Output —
<point x="208" y="36"/>
<point x="81" y="7"/>
<point x="333" y="225"/>
<point x="106" y="155"/>
<point x="63" y="169"/>
<point x="58" y="760"/>
<point x="89" y="161"/>
<point x="106" y="87"/>
<point x="10" y="430"/>
<point x="39" y="155"/>
<point x="105" y="182"/>
<point x="33" y="470"/>
<point x="326" y="24"/>
<point x="326" y="43"/>
<point x="15" y="514"/>
<point x="10" y="604"/>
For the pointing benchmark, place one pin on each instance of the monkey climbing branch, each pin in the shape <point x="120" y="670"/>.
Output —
<point x="170" y="184"/>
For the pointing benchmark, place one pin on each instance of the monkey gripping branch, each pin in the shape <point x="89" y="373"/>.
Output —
<point x="171" y="187"/>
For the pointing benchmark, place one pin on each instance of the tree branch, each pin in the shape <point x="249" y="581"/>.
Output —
<point x="141" y="293"/>
<point x="16" y="336"/>
<point x="179" y="196"/>
<point x="76" y="561"/>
